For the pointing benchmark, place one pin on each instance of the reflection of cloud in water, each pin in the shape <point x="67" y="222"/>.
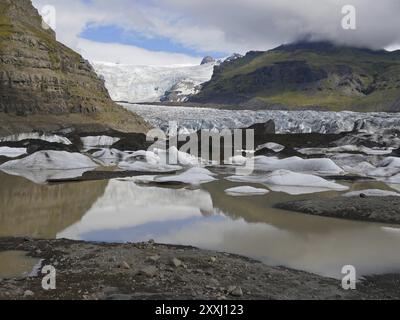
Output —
<point x="126" y="205"/>
<point x="371" y="249"/>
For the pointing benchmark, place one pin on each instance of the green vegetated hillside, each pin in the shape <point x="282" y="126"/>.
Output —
<point x="309" y="75"/>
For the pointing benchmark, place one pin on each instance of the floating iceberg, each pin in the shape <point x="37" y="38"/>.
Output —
<point x="246" y="191"/>
<point x="51" y="160"/>
<point x="194" y="176"/>
<point x="291" y="182"/>
<point x="320" y="166"/>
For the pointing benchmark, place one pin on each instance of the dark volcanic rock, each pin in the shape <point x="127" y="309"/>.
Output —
<point x="208" y="59"/>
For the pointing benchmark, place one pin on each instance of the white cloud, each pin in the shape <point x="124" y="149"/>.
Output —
<point x="232" y="25"/>
<point x="125" y="54"/>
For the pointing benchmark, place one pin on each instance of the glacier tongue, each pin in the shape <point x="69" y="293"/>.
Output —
<point x="194" y="119"/>
<point x="132" y="83"/>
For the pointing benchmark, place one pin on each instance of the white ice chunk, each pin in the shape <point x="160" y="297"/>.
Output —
<point x="37" y="136"/>
<point x="99" y="141"/>
<point x="12" y="152"/>
<point x="194" y="176"/>
<point x="246" y="191"/>
<point x="291" y="182"/>
<point x="51" y="160"/>
<point x="276" y="147"/>
<point x="321" y="166"/>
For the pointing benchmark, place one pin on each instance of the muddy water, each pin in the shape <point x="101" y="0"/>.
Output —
<point x="14" y="264"/>
<point x="122" y="211"/>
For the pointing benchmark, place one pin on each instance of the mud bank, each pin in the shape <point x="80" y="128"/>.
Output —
<point x="373" y="209"/>
<point x="92" y="271"/>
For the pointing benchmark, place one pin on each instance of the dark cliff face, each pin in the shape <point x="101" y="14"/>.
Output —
<point x="309" y="75"/>
<point x="40" y="76"/>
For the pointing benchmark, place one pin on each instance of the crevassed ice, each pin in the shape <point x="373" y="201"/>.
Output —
<point x="194" y="119"/>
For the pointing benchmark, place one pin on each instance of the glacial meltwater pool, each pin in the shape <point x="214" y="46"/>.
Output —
<point x="205" y="217"/>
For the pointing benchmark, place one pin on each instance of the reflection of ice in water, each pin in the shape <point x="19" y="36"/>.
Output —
<point x="126" y="205"/>
<point x="128" y="212"/>
<point x="371" y="249"/>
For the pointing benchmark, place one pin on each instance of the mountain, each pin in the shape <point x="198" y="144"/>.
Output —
<point x="131" y="83"/>
<point x="44" y="85"/>
<point x="308" y="75"/>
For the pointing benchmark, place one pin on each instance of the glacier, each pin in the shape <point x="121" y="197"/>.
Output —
<point x="133" y="83"/>
<point x="307" y="121"/>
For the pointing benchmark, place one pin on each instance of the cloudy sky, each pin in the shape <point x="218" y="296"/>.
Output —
<point x="161" y="32"/>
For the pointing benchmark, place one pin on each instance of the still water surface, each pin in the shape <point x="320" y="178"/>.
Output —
<point x="123" y="211"/>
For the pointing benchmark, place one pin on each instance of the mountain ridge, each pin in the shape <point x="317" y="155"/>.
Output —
<point x="41" y="79"/>
<point x="314" y="75"/>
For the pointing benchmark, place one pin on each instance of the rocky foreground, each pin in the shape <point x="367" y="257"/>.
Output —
<point x="92" y="271"/>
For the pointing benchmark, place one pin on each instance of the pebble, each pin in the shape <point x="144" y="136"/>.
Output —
<point x="125" y="265"/>
<point x="149" y="271"/>
<point x="154" y="258"/>
<point x="28" y="293"/>
<point x="176" y="262"/>
<point x="235" y="291"/>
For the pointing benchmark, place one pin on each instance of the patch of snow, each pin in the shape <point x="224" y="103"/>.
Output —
<point x="372" y="193"/>
<point x="246" y="191"/>
<point x="12" y="152"/>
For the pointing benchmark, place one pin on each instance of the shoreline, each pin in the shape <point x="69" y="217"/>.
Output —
<point x="149" y="271"/>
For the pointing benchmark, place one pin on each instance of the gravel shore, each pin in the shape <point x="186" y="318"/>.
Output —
<point x="92" y="271"/>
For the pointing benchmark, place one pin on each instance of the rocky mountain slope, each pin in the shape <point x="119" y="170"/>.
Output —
<point x="308" y="75"/>
<point x="44" y="85"/>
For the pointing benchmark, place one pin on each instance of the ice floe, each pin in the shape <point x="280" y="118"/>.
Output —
<point x="51" y="160"/>
<point x="194" y="176"/>
<point x="246" y="191"/>
<point x="12" y="152"/>
<point x="291" y="182"/>
<point x="43" y="176"/>
<point x="297" y="164"/>
<point x="98" y="141"/>
<point x="271" y="146"/>
<point x="36" y="136"/>
<point x="372" y="193"/>
<point x="177" y="157"/>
